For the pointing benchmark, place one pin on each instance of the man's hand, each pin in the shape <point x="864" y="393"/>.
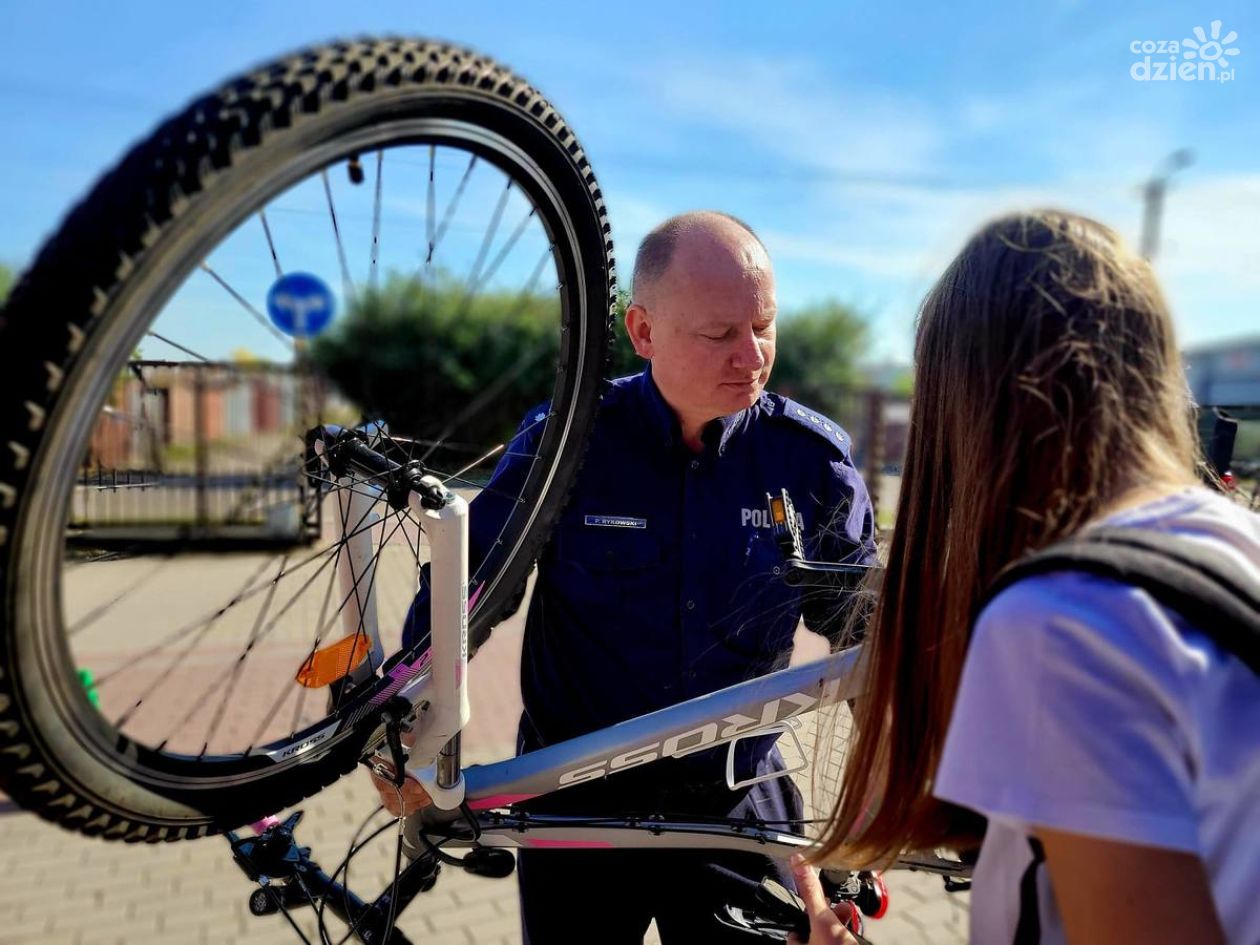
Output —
<point x="398" y="800"/>
<point x="828" y="925"/>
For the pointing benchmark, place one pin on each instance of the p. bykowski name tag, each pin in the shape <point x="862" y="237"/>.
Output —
<point x="616" y="521"/>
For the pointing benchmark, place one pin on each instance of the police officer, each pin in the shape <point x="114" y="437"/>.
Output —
<point x="659" y="583"/>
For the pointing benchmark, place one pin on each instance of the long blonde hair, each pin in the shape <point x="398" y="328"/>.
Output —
<point x="1047" y="384"/>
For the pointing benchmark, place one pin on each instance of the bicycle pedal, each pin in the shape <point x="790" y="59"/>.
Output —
<point x="781" y="905"/>
<point x="491" y="862"/>
<point x="733" y="917"/>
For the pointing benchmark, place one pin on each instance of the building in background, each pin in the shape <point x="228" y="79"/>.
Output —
<point x="1227" y="374"/>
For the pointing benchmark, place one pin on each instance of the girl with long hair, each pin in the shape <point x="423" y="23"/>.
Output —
<point x="1114" y="750"/>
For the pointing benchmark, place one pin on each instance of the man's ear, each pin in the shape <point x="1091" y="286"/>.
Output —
<point x="639" y="329"/>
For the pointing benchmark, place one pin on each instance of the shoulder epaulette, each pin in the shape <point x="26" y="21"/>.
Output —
<point x="812" y="420"/>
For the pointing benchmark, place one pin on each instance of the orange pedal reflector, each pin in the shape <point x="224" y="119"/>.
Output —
<point x="778" y="514"/>
<point x="333" y="662"/>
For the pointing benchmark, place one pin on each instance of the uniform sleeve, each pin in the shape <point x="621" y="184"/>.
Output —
<point x="846" y="535"/>
<point x="488" y="513"/>
<point x="1072" y="714"/>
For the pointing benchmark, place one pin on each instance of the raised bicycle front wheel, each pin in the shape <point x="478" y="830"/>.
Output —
<point x="168" y="561"/>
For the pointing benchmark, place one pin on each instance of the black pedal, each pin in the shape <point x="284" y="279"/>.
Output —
<point x="492" y="862"/>
<point x="781" y="906"/>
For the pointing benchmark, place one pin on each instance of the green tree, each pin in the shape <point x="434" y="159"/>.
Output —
<point x="817" y="357"/>
<point x="439" y="365"/>
<point x="903" y="384"/>
<point x="6" y="281"/>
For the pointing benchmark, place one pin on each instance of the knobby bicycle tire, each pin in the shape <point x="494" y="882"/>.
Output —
<point x="80" y="303"/>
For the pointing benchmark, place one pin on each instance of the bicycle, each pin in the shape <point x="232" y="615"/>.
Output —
<point x="197" y="208"/>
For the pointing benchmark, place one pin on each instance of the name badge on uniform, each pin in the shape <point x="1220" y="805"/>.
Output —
<point x="616" y="521"/>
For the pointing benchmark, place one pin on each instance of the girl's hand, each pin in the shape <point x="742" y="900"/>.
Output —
<point x="828" y="925"/>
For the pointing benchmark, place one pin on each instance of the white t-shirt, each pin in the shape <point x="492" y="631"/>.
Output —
<point x="1084" y="706"/>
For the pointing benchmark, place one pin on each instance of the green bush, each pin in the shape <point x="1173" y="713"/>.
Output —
<point x="816" y="363"/>
<point x="421" y="356"/>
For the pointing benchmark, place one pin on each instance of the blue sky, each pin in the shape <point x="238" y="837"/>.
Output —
<point x="864" y="141"/>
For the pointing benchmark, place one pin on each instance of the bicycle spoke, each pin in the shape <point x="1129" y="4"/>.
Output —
<point x="376" y="220"/>
<point x="303" y="690"/>
<point x="448" y="478"/>
<point x="235" y="601"/>
<point x="322" y="630"/>
<point x="367" y="596"/>
<point x="175" y="344"/>
<point x="347" y="281"/>
<point x="258" y="316"/>
<point x="487" y="396"/>
<point x="271" y="244"/>
<point x="474" y="277"/>
<point x="505" y="251"/>
<point x="451" y="207"/>
<point x="361" y="601"/>
<point x="168" y="671"/>
<point x="240" y="664"/>
<point x="430" y="213"/>
<point x="97" y="613"/>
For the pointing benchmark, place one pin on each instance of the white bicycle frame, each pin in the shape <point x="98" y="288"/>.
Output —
<point x="436" y="682"/>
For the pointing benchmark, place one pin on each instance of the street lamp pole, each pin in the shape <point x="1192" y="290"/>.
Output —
<point x="1153" y="198"/>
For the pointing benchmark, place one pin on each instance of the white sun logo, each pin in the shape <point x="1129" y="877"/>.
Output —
<point x="1210" y="50"/>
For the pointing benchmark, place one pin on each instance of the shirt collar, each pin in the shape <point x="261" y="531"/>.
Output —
<point x="728" y="426"/>
<point x="663" y="424"/>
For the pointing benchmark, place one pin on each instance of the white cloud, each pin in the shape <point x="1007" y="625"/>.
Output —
<point x="889" y="188"/>
<point x="1209" y="229"/>
<point x="1209" y="259"/>
<point x="792" y="110"/>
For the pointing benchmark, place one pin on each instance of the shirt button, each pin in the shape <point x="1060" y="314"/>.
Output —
<point x="695" y="464"/>
<point x="691" y="605"/>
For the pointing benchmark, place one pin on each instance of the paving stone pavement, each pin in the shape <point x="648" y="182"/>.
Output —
<point x="57" y="888"/>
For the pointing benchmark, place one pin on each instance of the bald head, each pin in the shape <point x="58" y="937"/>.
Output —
<point x="703" y="313"/>
<point x="700" y="243"/>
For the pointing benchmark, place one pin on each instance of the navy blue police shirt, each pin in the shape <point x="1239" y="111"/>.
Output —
<point x="661" y="579"/>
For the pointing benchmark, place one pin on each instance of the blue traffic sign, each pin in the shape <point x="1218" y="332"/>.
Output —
<point x="300" y="304"/>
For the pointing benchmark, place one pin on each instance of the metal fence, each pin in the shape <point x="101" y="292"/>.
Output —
<point x="878" y="421"/>
<point x="199" y="452"/>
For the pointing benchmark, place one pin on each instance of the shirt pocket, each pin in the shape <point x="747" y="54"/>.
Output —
<point x="608" y="549"/>
<point x="616" y="577"/>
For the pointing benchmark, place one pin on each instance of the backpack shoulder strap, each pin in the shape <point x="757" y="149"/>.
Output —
<point x="1205" y="587"/>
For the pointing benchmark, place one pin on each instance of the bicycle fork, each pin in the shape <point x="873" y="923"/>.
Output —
<point x="443" y="714"/>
